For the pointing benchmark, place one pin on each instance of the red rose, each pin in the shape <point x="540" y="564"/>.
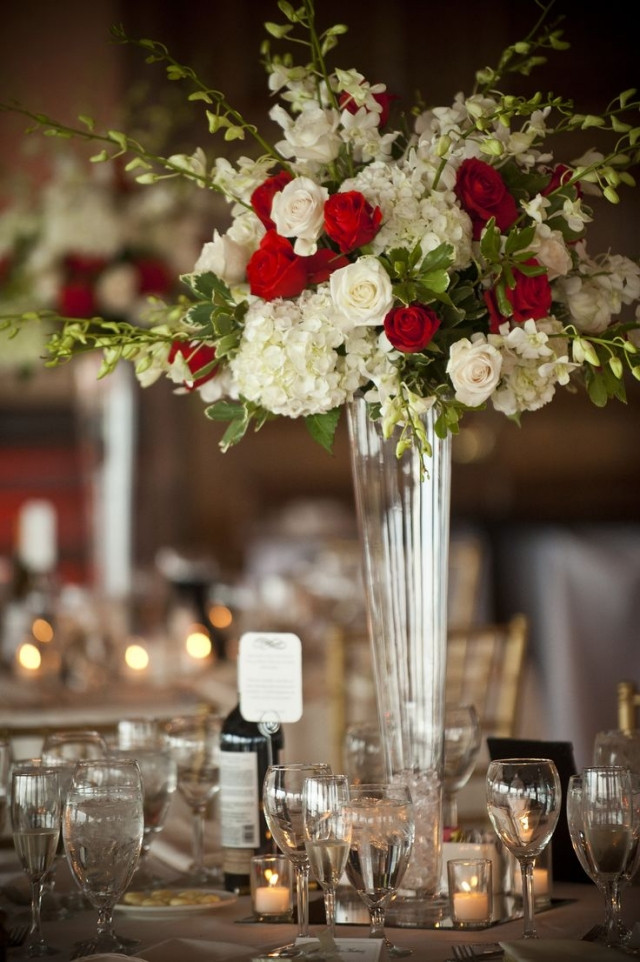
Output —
<point x="384" y="99"/>
<point x="153" y="276"/>
<point x="322" y="264"/>
<point x="197" y="356"/>
<point x="262" y="197"/>
<point x="76" y="300"/>
<point x="559" y="176"/>
<point x="482" y="193"/>
<point x="274" y="270"/>
<point x="530" y="299"/>
<point x="410" y="329"/>
<point x="350" y="220"/>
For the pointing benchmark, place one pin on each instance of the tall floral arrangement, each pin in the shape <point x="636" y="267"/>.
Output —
<point x="440" y="261"/>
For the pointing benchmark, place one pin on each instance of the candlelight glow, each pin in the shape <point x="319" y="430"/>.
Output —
<point x="29" y="657"/>
<point x="220" y="616"/>
<point x="42" y="630"/>
<point x="136" y="657"/>
<point x="198" y="643"/>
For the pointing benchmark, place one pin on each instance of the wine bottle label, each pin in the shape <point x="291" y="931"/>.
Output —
<point x="239" y="800"/>
<point x="236" y="861"/>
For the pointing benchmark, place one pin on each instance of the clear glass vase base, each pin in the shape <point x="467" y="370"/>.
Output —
<point x="417" y="913"/>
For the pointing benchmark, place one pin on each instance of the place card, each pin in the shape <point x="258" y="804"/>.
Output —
<point x="270" y="677"/>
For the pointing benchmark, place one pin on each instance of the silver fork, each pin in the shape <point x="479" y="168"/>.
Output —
<point x="477" y="950"/>
<point x="17" y="934"/>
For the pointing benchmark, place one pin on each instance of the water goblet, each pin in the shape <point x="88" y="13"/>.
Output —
<point x="382" y="836"/>
<point x="608" y="825"/>
<point x="63" y="749"/>
<point x="102" y="828"/>
<point x="462" y="742"/>
<point x="194" y="741"/>
<point x="159" y="780"/>
<point x="523" y="801"/>
<point x="363" y="753"/>
<point x="35" y="822"/>
<point x="327" y="835"/>
<point x="282" y="803"/>
<point x="6" y="758"/>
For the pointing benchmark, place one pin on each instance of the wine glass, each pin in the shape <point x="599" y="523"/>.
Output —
<point x="282" y="803"/>
<point x="608" y="824"/>
<point x="327" y="834"/>
<point x="462" y="742"/>
<point x="138" y="733"/>
<point x="35" y="822"/>
<point x="102" y="828"/>
<point x="194" y="741"/>
<point x="523" y="801"/>
<point x="363" y="755"/>
<point x="159" y="772"/>
<point x="382" y="835"/>
<point x="63" y="749"/>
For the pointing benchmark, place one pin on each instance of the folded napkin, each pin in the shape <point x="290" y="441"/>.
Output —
<point x="557" y="950"/>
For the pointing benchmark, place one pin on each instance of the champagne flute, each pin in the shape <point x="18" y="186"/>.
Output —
<point x="194" y="741"/>
<point x="35" y="822"/>
<point x="102" y="829"/>
<point x="382" y="835"/>
<point x="462" y="742"/>
<point x="523" y="801"/>
<point x="608" y="827"/>
<point x="327" y="834"/>
<point x="282" y="803"/>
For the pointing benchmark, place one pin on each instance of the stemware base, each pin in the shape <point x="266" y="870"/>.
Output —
<point x="104" y="944"/>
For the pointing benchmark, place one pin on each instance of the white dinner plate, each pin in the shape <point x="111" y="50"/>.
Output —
<point x="182" y="908"/>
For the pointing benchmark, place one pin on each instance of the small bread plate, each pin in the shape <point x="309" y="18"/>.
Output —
<point x="152" y="903"/>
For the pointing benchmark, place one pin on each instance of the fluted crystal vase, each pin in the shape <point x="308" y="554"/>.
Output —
<point x="403" y="518"/>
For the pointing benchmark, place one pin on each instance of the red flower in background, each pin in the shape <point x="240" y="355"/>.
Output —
<point x="153" y="276"/>
<point x="483" y="194"/>
<point x="350" y="220"/>
<point x="76" y="299"/>
<point x="410" y="329"/>
<point x="262" y="197"/>
<point x="197" y="356"/>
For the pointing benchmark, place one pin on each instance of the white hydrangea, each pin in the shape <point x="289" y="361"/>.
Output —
<point x="288" y="360"/>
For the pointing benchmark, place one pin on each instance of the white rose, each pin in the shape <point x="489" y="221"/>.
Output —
<point x="362" y="291"/>
<point x="298" y="211"/>
<point x="551" y="250"/>
<point x="474" y="368"/>
<point x="225" y="257"/>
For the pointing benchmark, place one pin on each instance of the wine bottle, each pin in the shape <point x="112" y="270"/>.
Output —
<point x="245" y="754"/>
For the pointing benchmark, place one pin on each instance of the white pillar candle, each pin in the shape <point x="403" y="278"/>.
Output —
<point x="272" y="900"/>
<point x="471" y="906"/>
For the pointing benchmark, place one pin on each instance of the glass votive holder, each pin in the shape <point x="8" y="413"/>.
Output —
<point x="271" y="896"/>
<point x="470" y="892"/>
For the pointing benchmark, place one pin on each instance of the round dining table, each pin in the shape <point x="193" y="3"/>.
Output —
<point x="227" y="930"/>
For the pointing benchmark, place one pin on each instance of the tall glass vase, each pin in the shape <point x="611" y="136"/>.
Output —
<point x="403" y="518"/>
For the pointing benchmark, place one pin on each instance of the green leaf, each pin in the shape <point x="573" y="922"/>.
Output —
<point x="322" y="427"/>
<point x="226" y="411"/>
